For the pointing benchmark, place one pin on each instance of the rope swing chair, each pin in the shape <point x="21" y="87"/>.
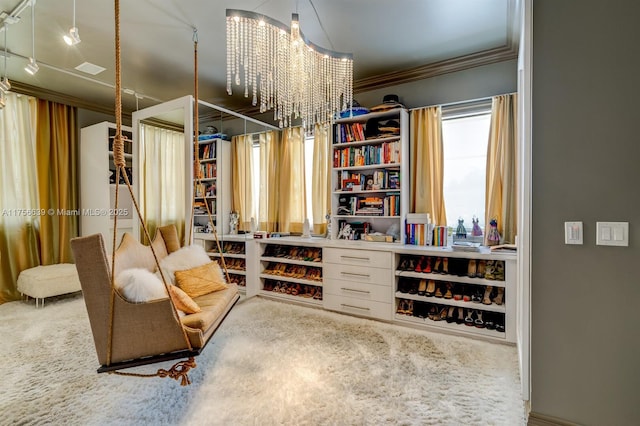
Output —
<point x="128" y="334"/>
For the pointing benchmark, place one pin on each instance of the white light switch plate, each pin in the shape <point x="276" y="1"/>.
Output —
<point x="612" y="233"/>
<point x="573" y="233"/>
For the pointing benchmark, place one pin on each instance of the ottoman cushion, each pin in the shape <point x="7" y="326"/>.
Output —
<point x="49" y="280"/>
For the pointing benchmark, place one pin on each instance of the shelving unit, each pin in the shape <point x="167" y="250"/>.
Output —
<point x="443" y="295"/>
<point x="97" y="182"/>
<point x="237" y="257"/>
<point x="214" y="188"/>
<point x="291" y="270"/>
<point x="369" y="176"/>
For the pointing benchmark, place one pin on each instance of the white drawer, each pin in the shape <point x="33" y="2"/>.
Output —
<point x="352" y="306"/>
<point x="377" y="259"/>
<point x="358" y="290"/>
<point x="361" y="274"/>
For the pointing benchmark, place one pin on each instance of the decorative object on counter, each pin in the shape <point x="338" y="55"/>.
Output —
<point x="233" y="223"/>
<point x="254" y="225"/>
<point x="345" y="233"/>
<point x="493" y="236"/>
<point x="476" y="231"/>
<point x="328" y="219"/>
<point x="461" y="232"/>
<point x="306" y="229"/>
<point x="310" y="82"/>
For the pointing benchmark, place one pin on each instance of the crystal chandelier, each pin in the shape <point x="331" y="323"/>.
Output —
<point x="284" y="71"/>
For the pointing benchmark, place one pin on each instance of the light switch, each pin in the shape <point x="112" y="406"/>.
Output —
<point x="612" y="233"/>
<point x="573" y="232"/>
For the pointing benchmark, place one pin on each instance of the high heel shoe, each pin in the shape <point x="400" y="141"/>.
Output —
<point x="478" y="322"/>
<point x="445" y="265"/>
<point x="431" y="288"/>
<point x="436" y="265"/>
<point x="471" y="269"/>
<point x="486" y="299"/>
<point x="418" y="267"/>
<point x="448" y="294"/>
<point x="422" y="287"/>
<point x="450" y="314"/>
<point x="481" y="268"/>
<point x="427" y="267"/>
<point x="460" y="317"/>
<point x="499" y="299"/>
<point x="438" y="291"/>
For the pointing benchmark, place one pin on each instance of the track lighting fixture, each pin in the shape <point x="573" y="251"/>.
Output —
<point x="5" y="85"/>
<point x="73" y="37"/>
<point x="32" y="67"/>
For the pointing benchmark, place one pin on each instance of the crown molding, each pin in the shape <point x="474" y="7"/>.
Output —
<point x="461" y="63"/>
<point x="51" y="95"/>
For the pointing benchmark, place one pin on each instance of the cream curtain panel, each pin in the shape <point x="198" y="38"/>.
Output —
<point x="427" y="164"/>
<point x="502" y="173"/>
<point x="163" y="173"/>
<point x="292" y="209"/>
<point x="39" y="186"/>
<point x="242" y="161"/>
<point x="19" y="195"/>
<point x="321" y="178"/>
<point x="268" y="179"/>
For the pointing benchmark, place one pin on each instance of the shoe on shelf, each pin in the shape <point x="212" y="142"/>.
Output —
<point x="402" y="307"/>
<point x="422" y="287"/>
<point x="431" y="288"/>
<point x="488" y="272"/>
<point x="413" y="287"/>
<point x="451" y="314"/>
<point x="448" y="294"/>
<point x="427" y="266"/>
<point x="437" y="265"/>
<point x="480" y="268"/>
<point x="460" y="317"/>
<point x="499" y="299"/>
<point x="419" y="263"/>
<point x="476" y="297"/>
<point x="498" y="271"/>
<point x="433" y="312"/>
<point x="466" y="294"/>
<point x="409" y="308"/>
<point x="471" y="268"/>
<point x="468" y="320"/>
<point x="486" y="299"/>
<point x="458" y="290"/>
<point x="500" y="324"/>
<point x="404" y="262"/>
<point x="438" y="291"/>
<point x="478" y="322"/>
<point x="445" y="265"/>
<point x="489" y="323"/>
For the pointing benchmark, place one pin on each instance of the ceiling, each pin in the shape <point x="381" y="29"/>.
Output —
<point x="392" y="42"/>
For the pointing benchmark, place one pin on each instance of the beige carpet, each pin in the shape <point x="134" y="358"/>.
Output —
<point x="269" y="364"/>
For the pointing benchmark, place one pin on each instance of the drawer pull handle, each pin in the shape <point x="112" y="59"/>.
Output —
<point x="364" y="259"/>
<point x="351" y="274"/>
<point x="356" y="290"/>
<point x="354" y="307"/>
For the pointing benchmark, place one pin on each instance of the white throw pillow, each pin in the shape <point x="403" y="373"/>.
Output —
<point x="138" y="285"/>
<point x="187" y="257"/>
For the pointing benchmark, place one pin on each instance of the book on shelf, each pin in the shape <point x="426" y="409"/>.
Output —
<point x="418" y="229"/>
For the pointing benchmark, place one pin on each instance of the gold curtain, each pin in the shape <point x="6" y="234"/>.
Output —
<point x="321" y="178"/>
<point x="162" y="179"/>
<point x="270" y="167"/>
<point x="427" y="164"/>
<point x="502" y="174"/>
<point x="242" y="201"/>
<point x="19" y="195"/>
<point x="56" y="154"/>
<point x="292" y="209"/>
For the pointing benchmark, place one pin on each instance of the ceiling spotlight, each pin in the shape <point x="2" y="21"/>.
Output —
<point x="73" y="37"/>
<point x="32" y="67"/>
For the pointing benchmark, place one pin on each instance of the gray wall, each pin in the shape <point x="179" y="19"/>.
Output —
<point x="586" y="155"/>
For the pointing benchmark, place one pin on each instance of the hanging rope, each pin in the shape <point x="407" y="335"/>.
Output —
<point x="180" y="369"/>
<point x="196" y="150"/>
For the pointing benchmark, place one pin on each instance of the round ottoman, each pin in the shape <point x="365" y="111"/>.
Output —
<point x="49" y="280"/>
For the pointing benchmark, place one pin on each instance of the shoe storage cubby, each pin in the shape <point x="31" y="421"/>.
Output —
<point x="291" y="270"/>
<point x="463" y="292"/>
<point x="235" y="258"/>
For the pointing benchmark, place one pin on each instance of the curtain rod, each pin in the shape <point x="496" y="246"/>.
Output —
<point x="457" y="103"/>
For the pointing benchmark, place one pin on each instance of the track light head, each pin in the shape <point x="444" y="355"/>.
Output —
<point x="73" y="37"/>
<point x="32" y="67"/>
<point x="5" y="84"/>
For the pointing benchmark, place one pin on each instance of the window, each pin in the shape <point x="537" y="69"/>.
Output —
<point x="465" y="140"/>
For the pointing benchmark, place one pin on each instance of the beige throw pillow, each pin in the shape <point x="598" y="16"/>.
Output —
<point x="182" y="301"/>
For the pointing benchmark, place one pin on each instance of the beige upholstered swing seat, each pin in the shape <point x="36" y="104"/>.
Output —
<point x="142" y="330"/>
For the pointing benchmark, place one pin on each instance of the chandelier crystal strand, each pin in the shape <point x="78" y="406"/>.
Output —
<point x="286" y="73"/>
